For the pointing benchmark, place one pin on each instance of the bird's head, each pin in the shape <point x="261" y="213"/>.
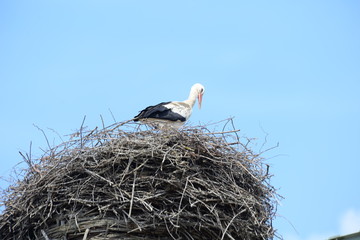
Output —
<point x="199" y="90"/>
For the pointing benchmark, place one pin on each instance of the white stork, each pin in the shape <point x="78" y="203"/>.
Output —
<point x="171" y="114"/>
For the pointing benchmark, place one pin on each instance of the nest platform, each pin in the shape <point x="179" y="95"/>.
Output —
<point x="142" y="184"/>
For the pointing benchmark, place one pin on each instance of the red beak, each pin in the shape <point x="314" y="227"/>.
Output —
<point x="200" y="100"/>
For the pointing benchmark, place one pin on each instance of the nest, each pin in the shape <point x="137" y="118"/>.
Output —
<point x="142" y="184"/>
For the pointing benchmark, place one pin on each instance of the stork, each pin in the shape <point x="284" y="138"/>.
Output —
<point x="171" y="114"/>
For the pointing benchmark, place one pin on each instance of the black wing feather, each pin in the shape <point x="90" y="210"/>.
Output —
<point x="160" y="112"/>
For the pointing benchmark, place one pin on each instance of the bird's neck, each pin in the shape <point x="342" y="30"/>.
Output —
<point x="192" y="98"/>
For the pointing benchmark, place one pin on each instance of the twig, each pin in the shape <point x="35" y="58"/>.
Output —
<point x="112" y="115"/>
<point x="102" y="121"/>
<point x="98" y="176"/>
<point x="86" y="233"/>
<point x="81" y="132"/>
<point x="47" y="140"/>
<point x="227" y="227"/>
<point x="44" y="235"/>
<point x="119" y="125"/>
<point x="233" y="126"/>
<point x="181" y="199"/>
<point x="132" y="194"/>
<point x="224" y="132"/>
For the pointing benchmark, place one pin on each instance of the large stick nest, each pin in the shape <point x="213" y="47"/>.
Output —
<point x="121" y="184"/>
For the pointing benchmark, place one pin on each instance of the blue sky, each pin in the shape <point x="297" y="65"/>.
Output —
<point x="288" y="70"/>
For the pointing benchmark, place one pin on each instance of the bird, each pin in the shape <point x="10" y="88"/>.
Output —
<point x="171" y="114"/>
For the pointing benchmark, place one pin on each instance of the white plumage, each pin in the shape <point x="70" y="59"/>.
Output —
<point x="171" y="114"/>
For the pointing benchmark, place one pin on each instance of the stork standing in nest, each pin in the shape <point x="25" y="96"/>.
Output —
<point x="171" y="114"/>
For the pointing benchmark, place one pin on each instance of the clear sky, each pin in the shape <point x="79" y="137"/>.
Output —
<point x="288" y="70"/>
